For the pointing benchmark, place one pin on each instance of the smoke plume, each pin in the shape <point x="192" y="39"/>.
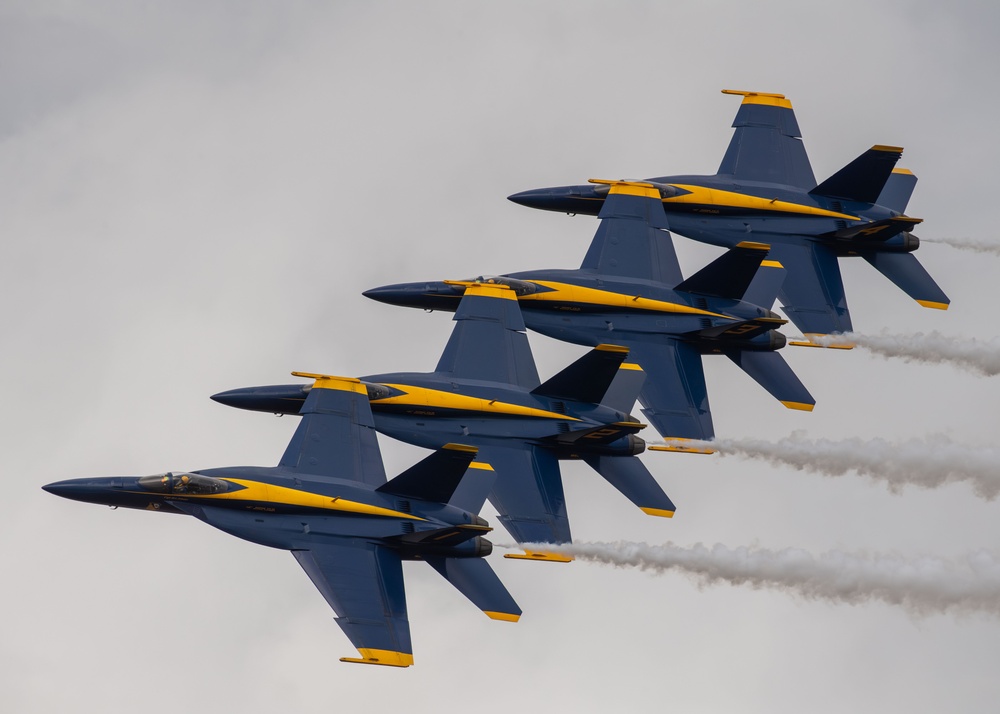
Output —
<point x="977" y="246"/>
<point x="931" y="462"/>
<point x="974" y="355"/>
<point x="921" y="585"/>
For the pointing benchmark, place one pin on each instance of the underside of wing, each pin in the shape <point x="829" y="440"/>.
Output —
<point x="674" y="396"/>
<point x="489" y="341"/>
<point x="528" y="494"/>
<point x="813" y="292"/>
<point x="336" y="436"/>
<point x="767" y="144"/>
<point x="632" y="239"/>
<point x="363" y="583"/>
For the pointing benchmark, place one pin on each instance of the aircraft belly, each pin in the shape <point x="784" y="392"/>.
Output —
<point x="433" y="433"/>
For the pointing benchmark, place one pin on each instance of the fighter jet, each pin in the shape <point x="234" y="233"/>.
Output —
<point x="765" y="191"/>
<point x="485" y="392"/>
<point x="329" y="503"/>
<point x="629" y="290"/>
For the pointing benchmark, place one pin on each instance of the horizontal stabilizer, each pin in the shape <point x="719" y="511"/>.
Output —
<point x="863" y="179"/>
<point x="770" y="371"/>
<point x="588" y="379"/>
<point x="437" y="477"/>
<point x="474" y="578"/>
<point x="630" y="476"/>
<point x="729" y="275"/>
<point x="897" y="190"/>
<point x="876" y="230"/>
<point x="909" y="275"/>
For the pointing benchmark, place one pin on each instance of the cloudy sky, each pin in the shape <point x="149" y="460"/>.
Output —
<point x="193" y="197"/>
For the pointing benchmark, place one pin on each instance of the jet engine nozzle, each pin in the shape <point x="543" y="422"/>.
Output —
<point x="636" y="445"/>
<point x="483" y="547"/>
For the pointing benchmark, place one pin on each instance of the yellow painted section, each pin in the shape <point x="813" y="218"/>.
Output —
<point x="771" y="264"/>
<point x="563" y="292"/>
<point x="766" y="98"/>
<point x="889" y="149"/>
<point x="662" y="513"/>
<point x="630" y="365"/>
<point x="269" y="493"/>
<point x="504" y="616"/>
<point x="612" y="348"/>
<point x="934" y="305"/>
<point x="326" y="381"/>
<point x="480" y="465"/>
<point x="702" y="196"/>
<point x="800" y="406"/>
<point x="540" y="555"/>
<point x="423" y="398"/>
<point x="753" y="245"/>
<point x="680" y="448"/>
<point x="641" y="189"/>
<point x="810" y="337"/>
<point x="383" y="657"/>
<point x="902" y="171"/>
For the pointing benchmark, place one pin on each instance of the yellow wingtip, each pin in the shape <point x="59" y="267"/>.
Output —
<point x="934" y="305"/>
<point x="540" y="555"/>
<point x="386" y="658"/>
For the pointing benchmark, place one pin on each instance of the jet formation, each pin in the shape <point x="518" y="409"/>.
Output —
<point x="498" y="431"/>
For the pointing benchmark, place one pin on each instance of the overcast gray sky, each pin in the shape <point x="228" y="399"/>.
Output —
<point x="193" y="197"/>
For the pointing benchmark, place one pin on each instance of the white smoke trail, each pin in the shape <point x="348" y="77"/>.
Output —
<point x="921" y="585"/>
<point x="931" y="462"/>
<point x="974" y="355"/>
<point x="977" y="246"/>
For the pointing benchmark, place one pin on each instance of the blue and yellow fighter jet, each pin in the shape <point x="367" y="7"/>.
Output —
<point x="629" y="290"/>
<point x="485" y="392"/>
<point x="329" y="503"/>
<point x="765" y="191"/>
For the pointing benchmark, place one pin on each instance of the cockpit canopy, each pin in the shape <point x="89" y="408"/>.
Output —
<point x="520" y="287"/>
<point x="181" y="482"/>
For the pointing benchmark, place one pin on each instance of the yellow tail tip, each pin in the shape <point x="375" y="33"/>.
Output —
<point x="661" y="512"/>
<point x="800" y="406"/>
<point x="934" y="305"/>
<point x="502" y="616"/>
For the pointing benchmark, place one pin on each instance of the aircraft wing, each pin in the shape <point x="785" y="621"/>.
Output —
<point x="674" y="396"/>
<point x="632" y="239"/>
<point x="363" y="583"/>
<point x="489" y="341"/>
<point x="336" y="436"/>
<point x="813" y="292"/>
<point x="767" y="144"/>
<point x="528" y="493"/>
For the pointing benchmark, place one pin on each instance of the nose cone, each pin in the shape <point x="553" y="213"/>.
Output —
<point x="86" y="490"/>
<point x="586" y="199"/>
<point x="278" y="399"/>
<point x="426" y="296"/>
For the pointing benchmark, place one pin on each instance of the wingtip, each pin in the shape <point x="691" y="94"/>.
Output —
<point x="540" y="556"/>
<point x="386" y="658"/>
<point x="680" y="448"/>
